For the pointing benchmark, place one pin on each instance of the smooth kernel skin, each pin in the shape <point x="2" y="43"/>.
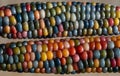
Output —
<point x="42" y="23"/>
<point x="105" y="23"/>
<point x="52" y="21"/>
<point x="40" y="64"/>
<point x="44" y="48"/>
<point x="53" y="12"/>
<point x="49" y="5"/>
<point x="111" y="21"/>
<point x="36" y="15"/>
<point x="12" y="20"/>
<point x="116" y="21"/>
<point x="69" y="60"/>
<point x="28" y="48"/>
<point x="84" y="55"/>
<point x="96" y="63"/>
<point x="96" y="54"/>
<point x="25" y="26"/>
<point x="80" y="49"/>
<point x="103" y="54"/>
<point x="70" y="68"/>
<point x="42" y="14"/>
<point x="52" y="63"/>
<point x="86" y="46"/>
<point x="110" y="54"/>
<point x="45" y="32"/>
<point x="58" y="10"/>
<point x="76" y="58"/>
<point x="110" y="44"/>
<point x="37" y="55"/>
<point x="8" y="12"/>
<point x="31" y="15"/>
<point x="116" y="52"/>
<point x="1" y="59"/>
<point x="27" y="57"/>
<point x="43" y="56"/>
<point x="32" y="56"/>
<point x="21" y="57"/>
<point x="2" y="13"/>
<point x="113" y="62"/>
<point x="13" y="30"/>
<point x="72" y="51"/>
<point x="63" y="61"/>
<point x="80" y="65"/>
<point x="59" y="54"/>
<point x="65" y="52"/>
<point x="29" y="64"/>
<point x="73" y="17"/>
<point x="90" y="54"/>
<point x="49" y="55"/>
<point x="5" y="21"/>
<point x="24" y="16"/>
<point x="6" y="29"/>
<point x="67" y="14"/>
<point x="98" y="46"/>
<point x="16" y="51"/>
<point x="117" y="44"/>
<point x="96" y="25"/>
<point x="118" y="14"/>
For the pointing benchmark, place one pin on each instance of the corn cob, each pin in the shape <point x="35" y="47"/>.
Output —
<point x="79" y="55"/>
<point x="59" y="19"/>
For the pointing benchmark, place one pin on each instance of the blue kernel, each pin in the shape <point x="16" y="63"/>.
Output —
<point x="19" y="27"/>
<point x="31" y="15"/>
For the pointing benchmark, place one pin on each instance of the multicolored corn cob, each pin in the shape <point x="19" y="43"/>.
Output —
<point x="89" y="54"/>
<point x="59" y="19"/>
